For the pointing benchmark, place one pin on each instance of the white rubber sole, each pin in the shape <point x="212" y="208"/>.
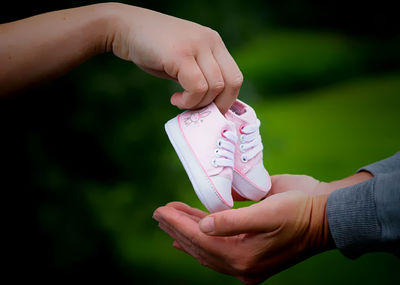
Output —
<point x="202" y="184"/>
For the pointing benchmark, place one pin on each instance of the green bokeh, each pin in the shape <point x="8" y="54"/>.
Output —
<point x="90" y="160"/>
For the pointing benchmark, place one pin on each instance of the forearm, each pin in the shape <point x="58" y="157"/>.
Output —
<point x="40" y="48"/>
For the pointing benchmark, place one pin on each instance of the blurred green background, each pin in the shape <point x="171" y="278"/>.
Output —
<point x="86" y="159"/>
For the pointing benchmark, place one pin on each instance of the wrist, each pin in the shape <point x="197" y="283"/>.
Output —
<point x="322" y="239"/>
<point x="106" y="25"/>
<point x="328" y="187"/>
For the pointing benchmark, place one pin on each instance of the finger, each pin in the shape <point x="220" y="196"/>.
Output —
<point x="188" y="245"/>
<point x="180" y="222"/>
<point x="274" y="185"/>
<point x="176" y="245"/>
<point x="259" y="217"/>
<point x="185" y="244"/>
<point x="207" y="257"/>
<point x="187" y="209"/>
<point x="157" y="73"/>
<point x="193" y="82"/>
<point x="174" y="234"/>
<point x="213" y="75"/>
<point x="194" y="218"/>
<point x="188" y="232"/>
<point x="233" y="78"/>
<point x="195" y="214"/>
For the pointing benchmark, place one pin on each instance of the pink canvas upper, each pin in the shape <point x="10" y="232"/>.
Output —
<point x="202" y="129"/>
<point x="242" y="114"/>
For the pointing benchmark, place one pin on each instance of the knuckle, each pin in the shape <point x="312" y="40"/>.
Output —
<point x="218" y="87"/>
<point x="171" y="68"/>
<point x="237" y="82"/>
<point x="185" y="49"/>
<point x="200" y="88"/>
<point x="213" y="35"/>
<point x="181" y="51"/>
<point x="216" y="36"/>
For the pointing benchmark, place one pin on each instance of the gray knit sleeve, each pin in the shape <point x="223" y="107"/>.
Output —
<point x="366" y="217"/>
<point x="383" y="166"/>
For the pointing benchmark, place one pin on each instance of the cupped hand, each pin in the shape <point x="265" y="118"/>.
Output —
<point x="251" y="243"/>
<point x="181" y="50"/>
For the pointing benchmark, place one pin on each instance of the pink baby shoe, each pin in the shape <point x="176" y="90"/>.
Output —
<point x="205" y="143"/>
<point x="250" y="179"/>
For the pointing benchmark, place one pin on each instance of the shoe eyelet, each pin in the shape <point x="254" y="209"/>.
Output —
<point x="241" y="128"/>
<point x="219" y="143"/>
<point x="243" y="158"/>
<point x="241" y="148"/>
<point x="214" y="162"/>
<point x="223" y="132"/>
<point x="242" y="138"/>
<point x="216" y="151"/>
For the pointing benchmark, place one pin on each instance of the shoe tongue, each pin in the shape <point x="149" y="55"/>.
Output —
<point x="216" y="112"/>
<point x="240" y="110"/>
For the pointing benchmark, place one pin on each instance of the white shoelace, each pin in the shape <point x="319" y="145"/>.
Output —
<point x="250" y="141"/>
<point x="224" y="153"/>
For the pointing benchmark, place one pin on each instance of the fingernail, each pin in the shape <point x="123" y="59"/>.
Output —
<point x="207" y="225"/>
<point x="155" y="216"/>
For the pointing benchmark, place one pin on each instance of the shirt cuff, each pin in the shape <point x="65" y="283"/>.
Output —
<point x="353" y="220"/>
<point x="387" y="165"/>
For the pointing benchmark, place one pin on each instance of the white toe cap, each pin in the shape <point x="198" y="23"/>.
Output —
<point x="260" y="177"/>
<point x="224" y="188"/>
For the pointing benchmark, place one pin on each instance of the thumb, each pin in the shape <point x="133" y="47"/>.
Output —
<point x="256" y="218"/>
